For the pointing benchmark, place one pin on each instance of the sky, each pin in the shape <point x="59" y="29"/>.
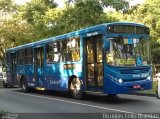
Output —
<point x="61" y="2"/>
<point x="134" y="2"/>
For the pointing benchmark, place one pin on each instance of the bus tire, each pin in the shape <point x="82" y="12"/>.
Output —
<point x="12" y="86"/>
<point x="75" y="89"/>
<point x="24" y="85"/>
<point x="4" y="85"/>
<point x="112" y="95"/>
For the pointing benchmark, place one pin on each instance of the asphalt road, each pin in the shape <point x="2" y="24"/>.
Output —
<point x="13" y="100"/>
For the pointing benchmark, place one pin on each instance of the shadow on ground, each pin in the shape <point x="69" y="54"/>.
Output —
<point x="98" y="98"/>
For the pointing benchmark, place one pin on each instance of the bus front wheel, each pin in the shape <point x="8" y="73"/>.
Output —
<point x="75" y="88"/>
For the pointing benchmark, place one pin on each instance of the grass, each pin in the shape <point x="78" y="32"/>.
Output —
<point x="153" y="90"/>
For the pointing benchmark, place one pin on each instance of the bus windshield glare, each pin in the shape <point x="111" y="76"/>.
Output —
<point x="128" y="52"/>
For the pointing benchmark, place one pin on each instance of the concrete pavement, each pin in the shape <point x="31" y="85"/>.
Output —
<point x="15" y="101"/>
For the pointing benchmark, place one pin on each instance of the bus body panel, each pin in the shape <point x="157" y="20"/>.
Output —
<point x="129" y="81"/>
<point x="26" y="71"/>
<point x="57" y="76"/>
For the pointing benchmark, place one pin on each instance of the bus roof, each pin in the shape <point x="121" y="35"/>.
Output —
<point x="72" y="34"/>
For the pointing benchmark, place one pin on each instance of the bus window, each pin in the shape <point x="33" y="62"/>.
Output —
<point x="53" y="52"/>
<point x="75" y="55"/>
<point x="39" y="57"/>
<point x="71" y="49"/>
<point x="90" y="51"/>
<point x="20" y="57"/>
<point x="99" y="50"/>
<point x="128" y="52"/>
<point x="28" y="56"/>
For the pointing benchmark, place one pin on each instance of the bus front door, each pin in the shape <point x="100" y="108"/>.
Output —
<point x="93" y="62"/>
<point x="39" y="67"/>
<point x="13" y="69"/>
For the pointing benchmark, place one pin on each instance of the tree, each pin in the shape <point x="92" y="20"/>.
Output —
<point x="83" y="13"/>
<point x="41" y="19"/>
<point x="13" y="33"/>
<point x="119" y="5"/>
<point x="116" y="4"/>
<point x="34" y="13"/>
<point x="7" y="9"/>
<point x="7" y="6"/>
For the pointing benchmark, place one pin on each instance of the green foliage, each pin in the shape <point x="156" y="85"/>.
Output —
<point x="79" y="16"/>
<point x="7" y="5"/>
<point x="117" y="4"/>
<point x="14" y="32"/>
<point x="34" y="11"/>
<point x="41" y="19"/>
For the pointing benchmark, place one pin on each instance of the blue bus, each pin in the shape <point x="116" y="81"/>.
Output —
<point x="112" y="58"/>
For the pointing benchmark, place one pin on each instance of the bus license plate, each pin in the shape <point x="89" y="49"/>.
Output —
<point x="136" y="86"/>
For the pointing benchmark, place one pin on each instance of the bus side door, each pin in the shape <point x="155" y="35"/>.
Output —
<point x="39" y="67"/>
<point x="93" y="62"/>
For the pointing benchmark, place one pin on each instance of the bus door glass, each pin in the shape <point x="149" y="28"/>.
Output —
<point x="38" y="66"/>
<point x="93" y="61"/>
<point x="13" y="68"/>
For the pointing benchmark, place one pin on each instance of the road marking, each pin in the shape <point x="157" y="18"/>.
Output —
<point x="77" y="103"/>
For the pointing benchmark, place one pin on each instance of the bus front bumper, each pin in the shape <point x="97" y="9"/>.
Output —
<point x="127" y="87"/>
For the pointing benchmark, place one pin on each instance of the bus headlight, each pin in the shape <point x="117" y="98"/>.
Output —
<point x="116" y="79"/>
<point x="149" y="78"/>
<point x="120" y="80"/>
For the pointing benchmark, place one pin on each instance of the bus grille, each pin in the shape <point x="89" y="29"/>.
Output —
<point x="134" y="71"/>
<point x="130" y="80"/>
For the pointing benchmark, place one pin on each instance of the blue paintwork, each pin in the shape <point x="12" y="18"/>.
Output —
<point x="55" y="77"/>
<point x="126" y="74"/>
<point x="27" y="71"/>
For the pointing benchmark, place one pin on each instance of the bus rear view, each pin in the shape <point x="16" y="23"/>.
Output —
<point x="128" y="63"/>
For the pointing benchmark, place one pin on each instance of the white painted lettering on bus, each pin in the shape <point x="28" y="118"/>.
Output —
<point x="92" y="34"/>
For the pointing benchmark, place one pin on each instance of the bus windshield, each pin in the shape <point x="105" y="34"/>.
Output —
<point x="128" y="52"/>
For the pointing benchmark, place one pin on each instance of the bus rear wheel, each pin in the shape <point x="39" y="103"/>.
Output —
<point x="24" y="85"/>
<point x="75" y="89"/>
<point x="112" y="95"/>
<point x="4" y="85"/>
